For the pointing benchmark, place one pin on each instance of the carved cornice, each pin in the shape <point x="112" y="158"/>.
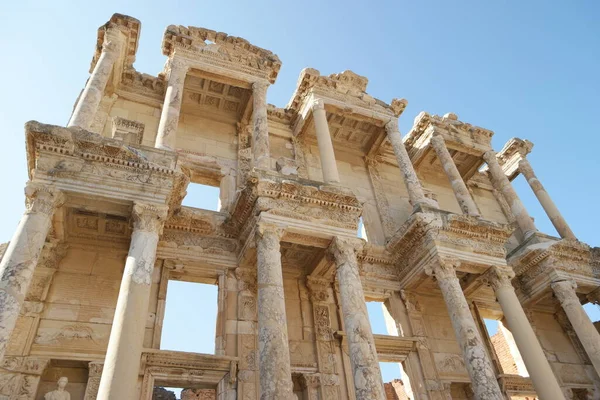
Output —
<point x="178" y="359"/>
<point x="281" y="115"/>
<point x="346" y="87"/>
<point x="511" y="154"/>
<point x="222" y="50"/>
<point x="129" y="27"/>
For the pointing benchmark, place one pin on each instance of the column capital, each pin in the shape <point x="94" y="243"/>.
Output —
<point x="265" y="228"/>
<point x="111" y="48"/>
<point x="498" y="277"/>
<point x="489" y="156"/>
<point x="42" y="199"/>
<point x="391" y="126"/>
<point x="177" y="65"/>
<point x="149" y="217"/>
<point x="344" y="249"/>
<point x="437" y="140"/>
<point x="260" y="87"/>
<point x="565" y="290"/>
<point x="443" y="268"/>
<point x="317" y="104"/>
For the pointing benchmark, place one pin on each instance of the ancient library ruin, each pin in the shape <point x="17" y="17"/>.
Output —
<point x="448" y="244"/>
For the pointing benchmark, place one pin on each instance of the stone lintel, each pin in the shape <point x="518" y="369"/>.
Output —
<point x="513" y="151"/>
<point x="218" y="49"/>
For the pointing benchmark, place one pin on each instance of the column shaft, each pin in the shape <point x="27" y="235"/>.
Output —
<point x="368" y="384"/>
<point x="260" y="134"/>
<point x="87" y="105"/>
<point x="483" y="379"/>
<point x="542" y="377"/>
<point x="273" y="344"/>
<point x="121" y="365"/>
<point x="583" y="326"/>
<point x="503" y="185"/>
<point x="328" y="164"/>
<point x="416" y="195"/>
<point x="555" y="216"/>
<point x="22" y="255"/>
<point x="465" y="201"/>
<point x="166" y="137"/>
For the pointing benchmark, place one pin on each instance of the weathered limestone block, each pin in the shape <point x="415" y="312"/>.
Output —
<point x="273" y="347"/>
<point x="361" y="345"/>
<point x="260" y="133"/>
<point x="119" y="377"/>
<point x="22" y="255"/>
<point x="479" y="367"/>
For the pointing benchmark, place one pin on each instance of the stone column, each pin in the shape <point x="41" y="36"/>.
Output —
<point x="22" y="255"/>
<point x="260" y="133"/>
<point x="89" y="100"/>
<point x="465" y="201"/>
<point x="121" y="365"/>
<point x="555" y="216"/>
<point x="328" y="164"/>
<point x="479" y="367"/>
<point x="541" y="374"/>
<point x="166" y="137"/>
<point x="273" y="344"/>
<point x="368" y="384"/>
<point x="503" y="185"/>
<point x="416" y="195"/>
<point x="586" y="332"/>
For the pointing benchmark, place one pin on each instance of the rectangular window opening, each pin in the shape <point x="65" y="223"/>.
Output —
<point x="202" y="196"/>
<point x="505" y="348"/>
<point x="190" y="317"/>
<point x="362" y="231"/>
<point x="381" y="321"/>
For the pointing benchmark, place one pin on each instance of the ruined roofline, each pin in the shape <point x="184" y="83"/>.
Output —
<point x="130" y="27"/>
<point x="346" y="86"/>
<point x="448" y="122"/>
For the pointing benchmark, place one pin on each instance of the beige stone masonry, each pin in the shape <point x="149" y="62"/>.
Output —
<point x="328" y="164"/>
<point x="363" y="355"/>
<point x="169" y="118"/>
<point x="411" y="180"/>
<point x="22" y="255"/>
<point x="503" y="185"/>
<point x="586" y="332"/>
<point x="461" y="191"/>
<point x="87" y="105"/>
<point x="483" y="378"/>
<point x="542" y="376"/>
<point x="545" y="200"/>
<point x="273" y="347"/>
<point x="260" y="133"/>
<point x="121" y="365"/>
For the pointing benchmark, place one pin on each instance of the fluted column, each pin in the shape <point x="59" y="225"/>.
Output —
<point x="166" y="137"/>
<point x="542" y="377"/>
<point x="555" y="216"/>
<point x="22" y="255"/>
<point x="88" y="102"/>
<point x="583" y="326"/>
<point x="121" y="365"/>
<point x="368" y="384"/>
<point x="461" y="192"/>
<point x="503" y="185"/>
<point x="483" y="378"/>
<point x="273" y="344"/>
<point x="328" y="164"/>
<point x="416" y="195"/>
<point x="260" y="133"/>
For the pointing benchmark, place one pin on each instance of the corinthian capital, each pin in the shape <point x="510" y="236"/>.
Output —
<point x="392" y="126"/>
<point x="344" y="249"/>
<point x="498" y="277"/>
<point x="318" y="104"/>
<point x="149" y="217"/>
<point x="42" y="199"/>
<point x="565" y="291"/>
<point x="443" y="268"/>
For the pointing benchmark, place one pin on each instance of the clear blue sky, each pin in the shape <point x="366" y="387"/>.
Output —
<point x="526" y="69"/>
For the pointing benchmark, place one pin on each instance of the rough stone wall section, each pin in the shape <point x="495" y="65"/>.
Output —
<point x="394" y="390"/>
<point x="503" y="352"/>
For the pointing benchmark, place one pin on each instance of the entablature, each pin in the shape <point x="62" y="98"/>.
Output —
<point x="465" y="142"/>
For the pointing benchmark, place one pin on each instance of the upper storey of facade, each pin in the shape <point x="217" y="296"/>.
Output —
<point x="205" y="119"/>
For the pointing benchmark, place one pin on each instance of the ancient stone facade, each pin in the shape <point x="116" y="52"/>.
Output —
<point x="83" y="281"/>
